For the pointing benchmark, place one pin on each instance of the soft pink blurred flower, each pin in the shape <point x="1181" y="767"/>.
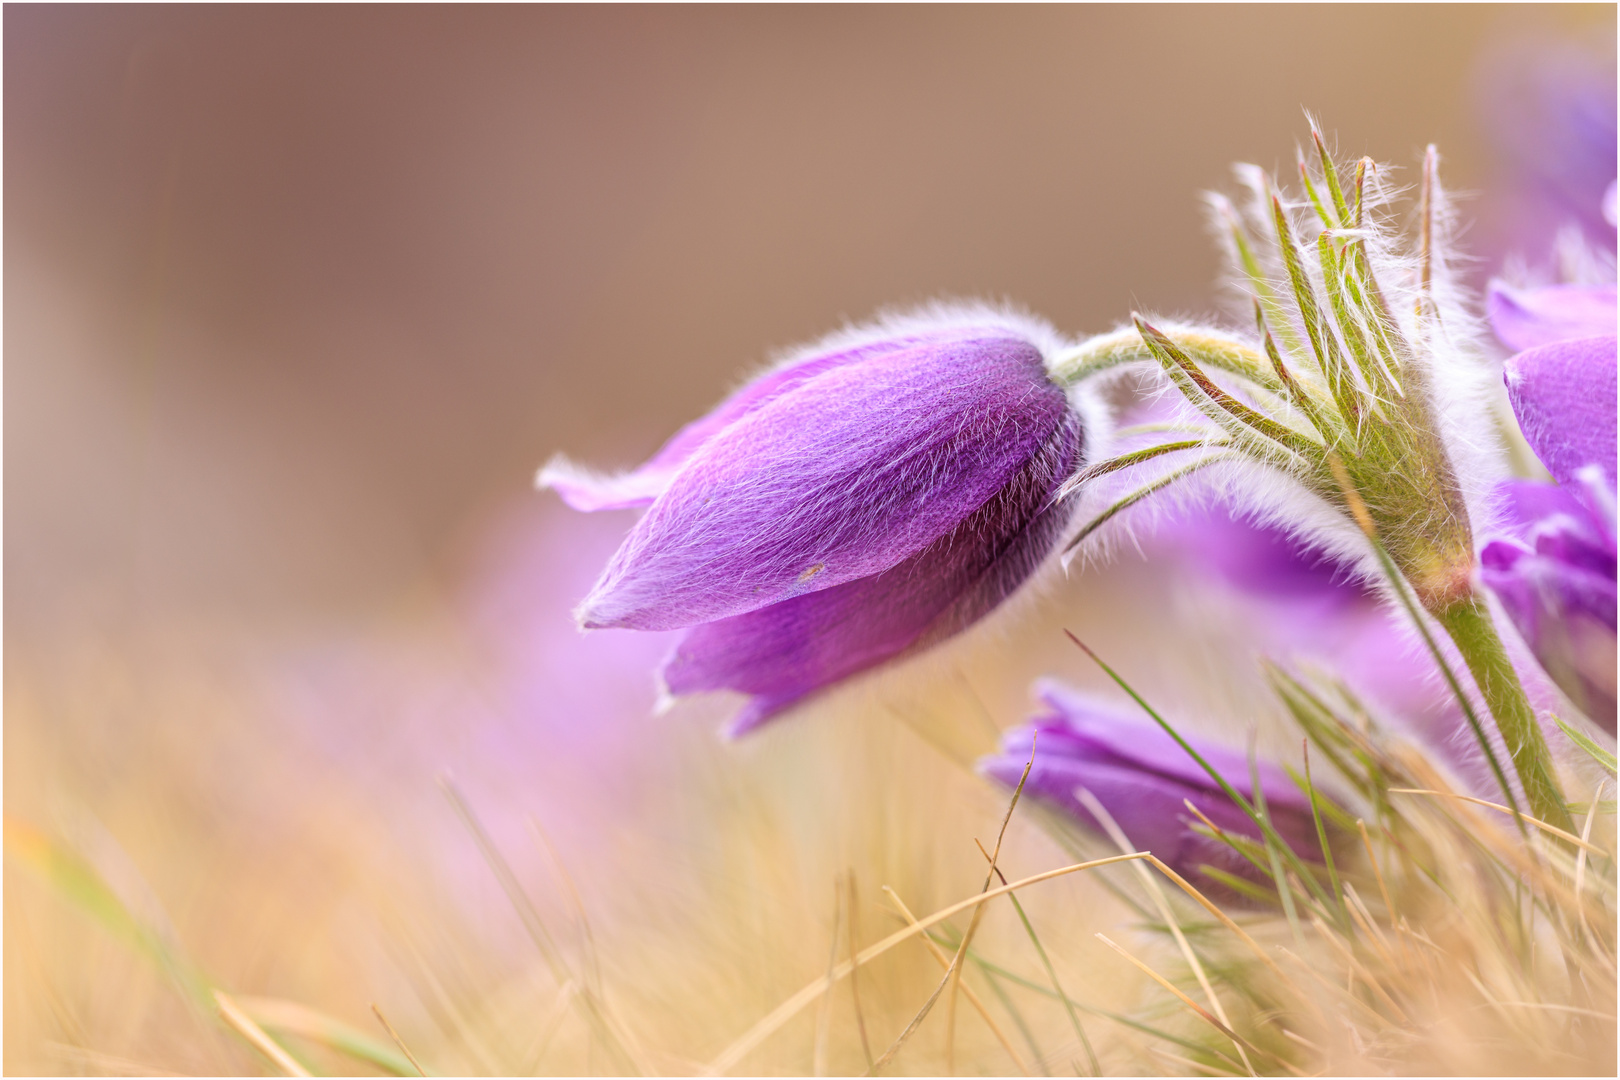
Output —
<point x="500" y="691"/>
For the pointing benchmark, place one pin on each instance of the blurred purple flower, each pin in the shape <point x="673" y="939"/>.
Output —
<point x="1290" y="598"/>
<point x="1526" y="318"/>
<point x="1556" y="579"/>
<point x="1555" y="571"/>
<point x="868" y="497"/>
<point x="1266" y="561"/>
<point x="1139" y="774"/>
<point x="1548" y="105"/>
<point x="499" y="690"/>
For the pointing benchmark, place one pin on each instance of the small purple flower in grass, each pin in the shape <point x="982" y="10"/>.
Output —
<point x="1555" y="571"/>
<point x="869" y="496"/>
<point x="1143" y="778"/>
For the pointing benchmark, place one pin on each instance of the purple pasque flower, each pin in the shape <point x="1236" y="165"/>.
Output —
<point x="1526" y="318"/>
<point x="1555" y="577"/>
<point x="867" y="497"/>
<point x="1554" y="571"/>
<point x="1139" y="774"/>
<point x="1547" y="105"/>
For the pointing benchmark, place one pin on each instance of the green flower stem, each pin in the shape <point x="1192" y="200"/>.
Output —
<point x="1469" y="624"/>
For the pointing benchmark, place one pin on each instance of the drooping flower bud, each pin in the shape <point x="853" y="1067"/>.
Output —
<point x="869" y="496"/>
<point x="1143" y="779"/>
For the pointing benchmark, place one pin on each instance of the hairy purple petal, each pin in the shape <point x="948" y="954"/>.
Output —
<point x="1525" y="318"/>
<point x="1564" y="397"/>
<point x="785" y="651"/>
<point x="1141" y="776"/>
<point x="586" y="490"/>
<point x="850" y="474"/>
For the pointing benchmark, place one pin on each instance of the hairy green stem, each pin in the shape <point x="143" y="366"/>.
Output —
<point x="1469" y="624"/>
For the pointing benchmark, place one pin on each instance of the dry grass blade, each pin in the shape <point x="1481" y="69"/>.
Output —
<point x="294" y="1018"/>
<point x="1212" y="1070"/>
<point x="547" y="1029"/>
<point x="1115" y="833"/>
<point x="255" y="1035"/>
<point x="595" y="1013"/>
<point x="852" y="935"/>
<point x="1203" y="1014"/>
<point x="790" y="1008"/>
<point x="1363" y="918"/>
<point x="1331" y="936"/>
<point x="967" y="991"/>
<point x="593" y="963"/>
<point x="1369" y="1015"/>
<point x="1051" y="971"/>
<point x="1210" y="906"/>
<point x="1551" y="830"/>
<point x="1372" y="861"/>
<point x="818" y="1055"/>
<point x="1586" y="838"/>
<point x="399" y="1042"/>
<point x="953" y="974"/>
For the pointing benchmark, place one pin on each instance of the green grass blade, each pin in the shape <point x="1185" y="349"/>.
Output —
<point x="1260" y="820"/>
<point x="1584" y="741"/>
<point x="1321" y="831"/>
<point x="1141" y="493"/>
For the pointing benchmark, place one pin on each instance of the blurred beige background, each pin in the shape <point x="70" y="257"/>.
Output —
<point x="298" y="298"/>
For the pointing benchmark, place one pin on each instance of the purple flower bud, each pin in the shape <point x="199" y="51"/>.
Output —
<point x="1141" y="776"/>
<point x="1556" y="579"/>
<point x="869" y="496"/>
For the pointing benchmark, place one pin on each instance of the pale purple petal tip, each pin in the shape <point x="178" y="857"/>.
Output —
<point x="588" y="491"/>
<point x="1261" y="560"/>
<point x="1563" y="395"/>
<point x="1525" y="318"/>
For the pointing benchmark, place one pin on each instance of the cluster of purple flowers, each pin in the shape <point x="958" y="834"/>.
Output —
<point x="884" y="489"/>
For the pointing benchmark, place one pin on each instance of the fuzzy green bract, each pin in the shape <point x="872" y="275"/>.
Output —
<point x="1343" y="406"/>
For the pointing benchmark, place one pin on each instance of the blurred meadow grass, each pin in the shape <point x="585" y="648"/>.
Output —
<point x="310" y="884"/>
